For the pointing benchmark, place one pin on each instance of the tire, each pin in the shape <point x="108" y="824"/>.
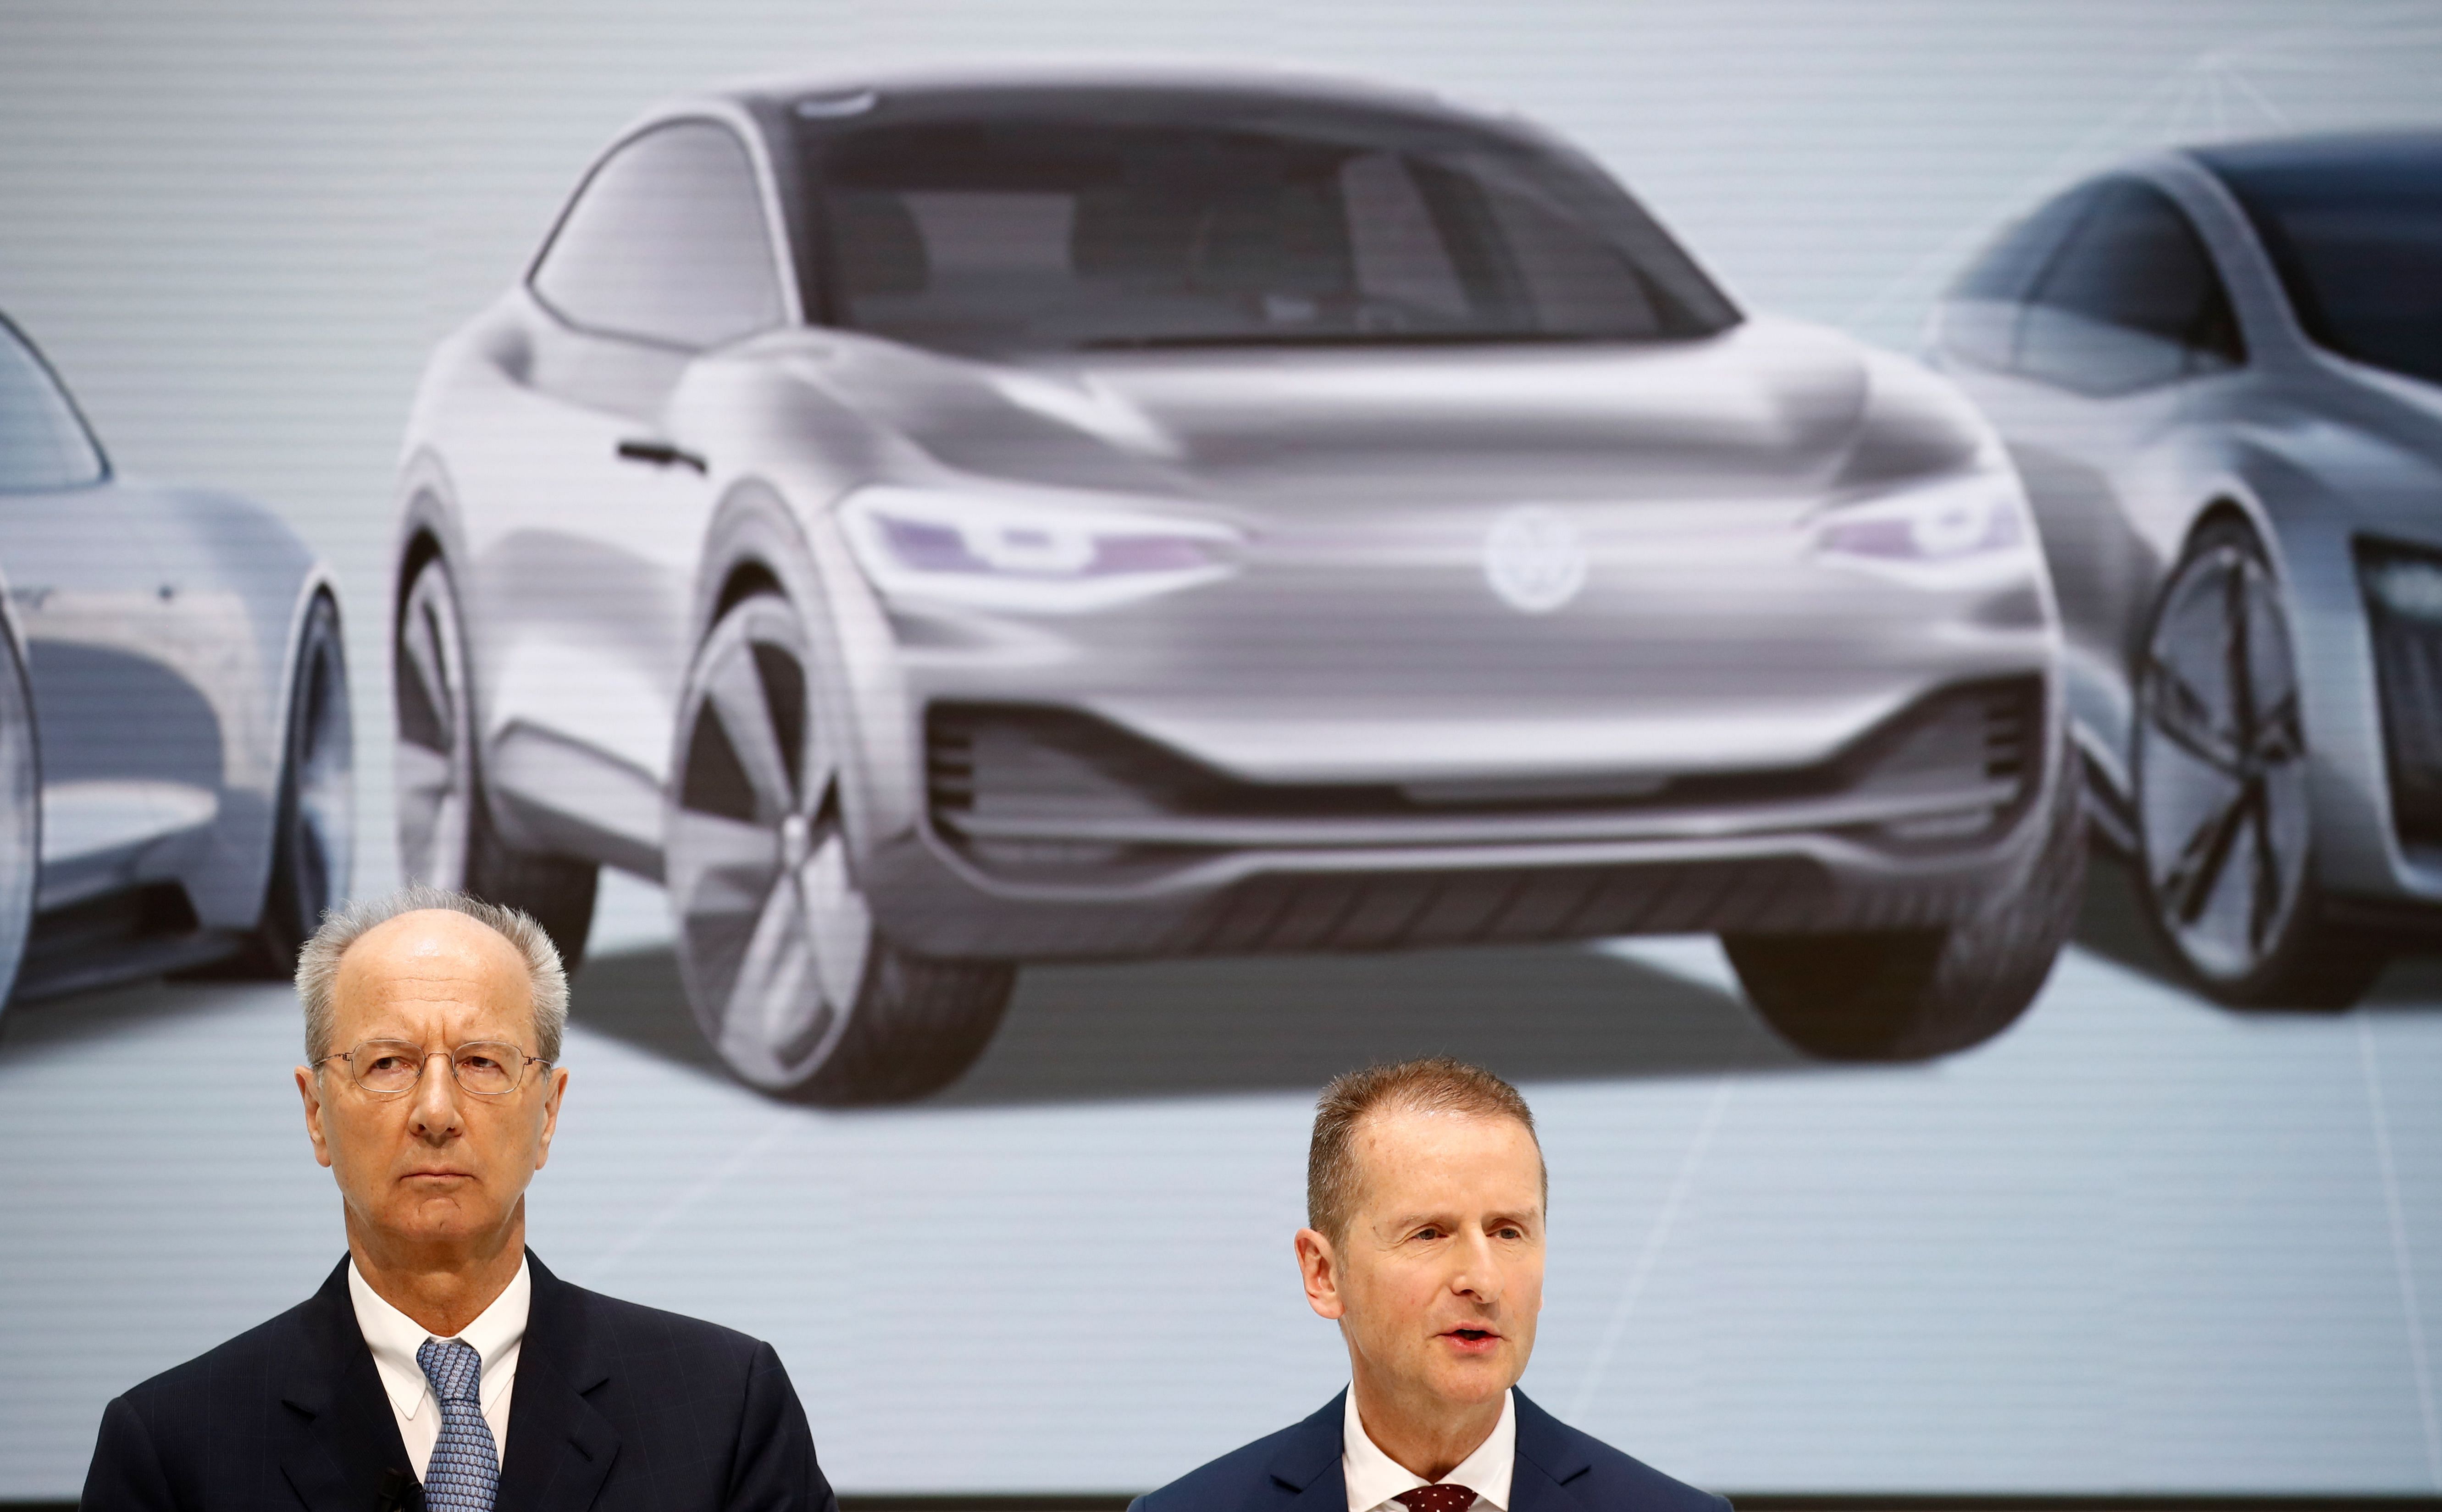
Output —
<point x="786" y="973"/>
<point x="2225" y="841"/>
<point x="21" y="809"/>
<point x="1915" y="995"/>
<point x="312" y="835"/>
<point x="445" y="834"/>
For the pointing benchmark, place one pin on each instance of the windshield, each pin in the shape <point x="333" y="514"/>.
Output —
<point x="44" y="444"/>
<point x="2359" y="247"/>
<point x="1019" y="234"/>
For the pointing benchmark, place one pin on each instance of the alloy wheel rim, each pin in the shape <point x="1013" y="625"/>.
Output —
<point x="2221" y="764"/>
<point x="434" y="760"/>
<point x="774" y="935"/>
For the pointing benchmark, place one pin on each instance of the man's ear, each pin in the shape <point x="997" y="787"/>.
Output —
<point x="551" y="1114"/>
<point x="309" y="1088"/>
<point x="1318" y="1263"/>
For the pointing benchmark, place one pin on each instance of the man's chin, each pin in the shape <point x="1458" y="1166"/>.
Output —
<point x="440" y="1218"/>
<point x="1475" y="1380"/>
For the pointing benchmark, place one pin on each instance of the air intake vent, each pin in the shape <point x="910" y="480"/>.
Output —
<point x="1062" y="788"/>
<point x="2403" y="595"/>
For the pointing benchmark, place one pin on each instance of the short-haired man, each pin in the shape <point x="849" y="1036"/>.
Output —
<point x="441" y="1364"/>
<point x="1425" y="1193"/>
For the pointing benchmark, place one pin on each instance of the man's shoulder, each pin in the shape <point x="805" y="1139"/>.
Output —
<point x="1598" y="1473"/>
<point x="257" y="1357"/>
<point x="1299" y="1451"/>
<point x="631" y="1329"/>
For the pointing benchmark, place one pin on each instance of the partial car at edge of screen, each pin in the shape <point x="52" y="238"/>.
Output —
<point x="932" y="521"/>
<point x="175" y="772"/>
<point x="2219" y="371"/>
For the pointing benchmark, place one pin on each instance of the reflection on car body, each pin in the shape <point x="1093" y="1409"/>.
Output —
<point x="937" y="520"/>
<point x="174" y="758"/>
<point x="2220" y="374"/>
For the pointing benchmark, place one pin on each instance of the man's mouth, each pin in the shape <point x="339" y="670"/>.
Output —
<point x="1473" y="1341"/>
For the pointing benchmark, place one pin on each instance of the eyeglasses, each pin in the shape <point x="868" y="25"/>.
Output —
<point x="483" y="1067"/>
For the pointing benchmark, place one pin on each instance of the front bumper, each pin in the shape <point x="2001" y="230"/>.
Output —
<point x="1048" y="833"/>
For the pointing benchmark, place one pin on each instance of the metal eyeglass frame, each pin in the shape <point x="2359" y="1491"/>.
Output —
<point x="350" y="1055"/>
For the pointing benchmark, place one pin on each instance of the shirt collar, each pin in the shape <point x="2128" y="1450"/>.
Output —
<point x="394" y="1338"/>
<point x="1374" y="1478"/>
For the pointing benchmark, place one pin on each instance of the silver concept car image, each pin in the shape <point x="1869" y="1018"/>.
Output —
<point x="2220" y="374"/>
<point x="174" y="744"/>
<point x="935" y="521"/>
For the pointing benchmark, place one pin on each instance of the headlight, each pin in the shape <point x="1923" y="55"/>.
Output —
<point x="1023" y="554"/>
<point x="1955" y="527"/>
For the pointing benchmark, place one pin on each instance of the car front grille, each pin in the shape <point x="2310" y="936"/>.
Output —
<point x="1025" y="789"/>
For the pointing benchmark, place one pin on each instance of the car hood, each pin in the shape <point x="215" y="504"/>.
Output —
<point x="1767" y="408"/>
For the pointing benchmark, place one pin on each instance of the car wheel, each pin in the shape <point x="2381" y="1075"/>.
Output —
<point x="445" y="835"/>
<point x="2224" y="824"/>
<point x="1913" y="994"/>
<point x="312" y="835"/>
<point x="786" y="975"/>
<point x="21" y="810"/>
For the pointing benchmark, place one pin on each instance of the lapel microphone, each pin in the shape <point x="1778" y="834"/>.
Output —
<point x="400" y="1492"/>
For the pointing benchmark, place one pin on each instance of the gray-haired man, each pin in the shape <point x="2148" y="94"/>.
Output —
<point x="441" y="1363"/>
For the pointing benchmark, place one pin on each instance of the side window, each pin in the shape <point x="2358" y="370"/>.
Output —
<point x="1979" y="315"/>
<point x="666" y="241"/>
<point x="2132" y="302"/>
<point x="42" y="443"/>
<point x="1397" y="251"/>
<point x="1574" y="278"/>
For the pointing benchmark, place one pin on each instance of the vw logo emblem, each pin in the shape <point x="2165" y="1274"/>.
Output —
<point x="1534" y="559"/>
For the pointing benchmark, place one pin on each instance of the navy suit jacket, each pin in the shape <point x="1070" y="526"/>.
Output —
<point x="1558" y="1469"/>
<point x="616" y="1407"/>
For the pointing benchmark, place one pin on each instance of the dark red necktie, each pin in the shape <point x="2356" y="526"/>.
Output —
<point x="1443" y="1497"/>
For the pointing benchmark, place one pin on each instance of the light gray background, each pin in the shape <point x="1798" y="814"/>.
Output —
<point x="2137" y="1244"/>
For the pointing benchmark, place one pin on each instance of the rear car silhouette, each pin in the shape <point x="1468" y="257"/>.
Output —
<point x="176" y="766"/>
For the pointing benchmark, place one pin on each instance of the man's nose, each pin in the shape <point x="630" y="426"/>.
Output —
<point x="1477" y="1275"/>
<point x="434" y="1117"/>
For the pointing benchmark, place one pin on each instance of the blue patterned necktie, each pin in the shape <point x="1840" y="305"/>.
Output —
<point x="465" y="1473"/>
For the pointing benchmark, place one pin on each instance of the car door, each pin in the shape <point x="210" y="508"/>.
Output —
<point x="127" y="747"/>
<point x="2117" y="326"/>
<point x="594" y="515"/>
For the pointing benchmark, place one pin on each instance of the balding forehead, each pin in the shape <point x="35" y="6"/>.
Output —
<point x="434" y="955"/>
<point x="425" y="934"/>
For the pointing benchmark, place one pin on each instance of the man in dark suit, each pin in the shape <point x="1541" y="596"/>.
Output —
<point x="1424" y="1196"/>
<point x="441" y="1366"/>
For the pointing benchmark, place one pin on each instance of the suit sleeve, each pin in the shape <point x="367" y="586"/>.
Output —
<point x="775" y="1470"/>
<point x="127" y="1474"/>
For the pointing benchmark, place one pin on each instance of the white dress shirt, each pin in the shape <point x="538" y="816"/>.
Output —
<point x="1373" y="1478"/>
<point x="395" y="1338"/>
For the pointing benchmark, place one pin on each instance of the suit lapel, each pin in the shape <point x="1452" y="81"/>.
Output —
<point x="1549" y="1457"/>
<point x="345" y="1436"/>
<point x="560" y="1448"/>
<point x="1305" y="1469"/>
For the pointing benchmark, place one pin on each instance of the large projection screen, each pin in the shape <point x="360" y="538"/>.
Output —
<point x="2138" y="1242"/>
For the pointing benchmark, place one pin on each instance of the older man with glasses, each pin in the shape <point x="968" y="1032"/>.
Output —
<point x="441" y="1365"/>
